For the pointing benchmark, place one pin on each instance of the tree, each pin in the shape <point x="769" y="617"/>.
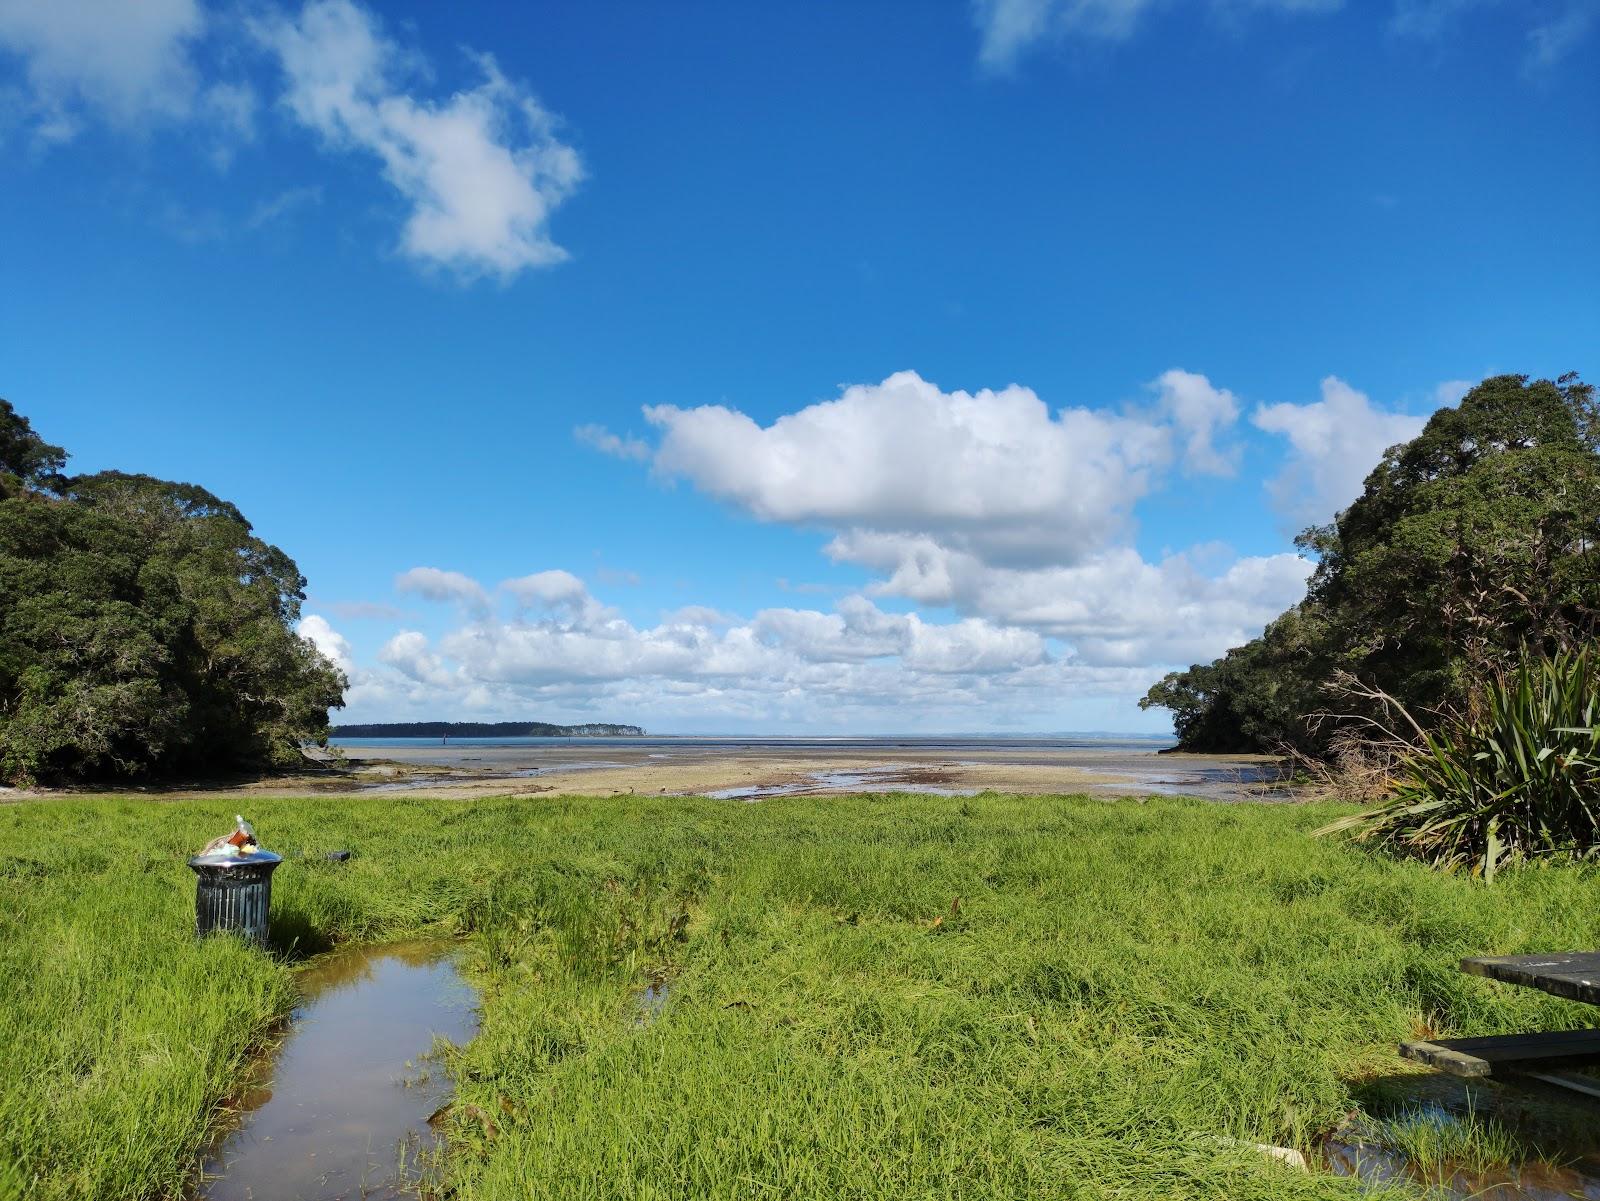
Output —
<point x="144" y="629"/>
<point x="26" y="460"/>
<point x="1471" y="545"/>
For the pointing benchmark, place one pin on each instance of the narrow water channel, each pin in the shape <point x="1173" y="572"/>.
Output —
<point x="341" y="1109"/>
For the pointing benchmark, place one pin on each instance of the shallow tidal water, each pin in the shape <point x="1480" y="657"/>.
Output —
<point x="1568" y="1125"/>
<point x="340" y="1109"/>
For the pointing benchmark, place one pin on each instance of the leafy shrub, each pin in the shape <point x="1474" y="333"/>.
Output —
<point x="1517" y="777"/>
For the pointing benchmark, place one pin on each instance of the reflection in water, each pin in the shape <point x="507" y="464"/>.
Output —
<point x="867" y="779"/>
<point x="1526" y="1182"/>
<point x="649" y="1002"/>
<point x="341" y="1110"/>
<point x="1229" y="782"/>
<point x="1432" y="1114"/>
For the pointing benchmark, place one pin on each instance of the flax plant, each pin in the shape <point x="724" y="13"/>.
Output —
<point x="1516" y="778"/>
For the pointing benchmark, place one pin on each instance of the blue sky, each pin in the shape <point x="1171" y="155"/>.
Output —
<point x="866" y="368"/>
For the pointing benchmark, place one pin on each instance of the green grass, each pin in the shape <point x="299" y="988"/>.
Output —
<point x="1435" y="1142"/>
<point x="1123" y="989"/>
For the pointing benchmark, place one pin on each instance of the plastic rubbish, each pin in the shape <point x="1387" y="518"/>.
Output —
<point x="238" y="843"/>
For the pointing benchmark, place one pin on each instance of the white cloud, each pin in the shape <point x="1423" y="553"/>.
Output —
<point x="434" y="584"/>
<point x="335" y="647"/>
<point x="1009" y="27"/>
<point x="1334" y="443"/>
<point x="994" y="506"/>
<point x="816" y="666"/>
<point x="993" y="473"/>
<point x="128" y="62"/>
<point x="698" y="615"/>
<point x="599" y="438"/>
<point x="548" y="588"/>
<point x="1010" y="516"/>
<point x="561" y="592"/>
<point x="1114" y="608"/>
<point x="481" y="171"/>
<point x="408" y="652"/>
<point x="858" y="666"/>
<point x="1200" y="412"/>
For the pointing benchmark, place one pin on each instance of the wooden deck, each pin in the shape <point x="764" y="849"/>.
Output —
<point x="1575" y="977"/>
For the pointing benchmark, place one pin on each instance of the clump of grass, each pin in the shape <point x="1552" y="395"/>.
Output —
<point x="1517" y="777"/>
<point x="1437" y="1142"/>
<point x="1119" y="985"/>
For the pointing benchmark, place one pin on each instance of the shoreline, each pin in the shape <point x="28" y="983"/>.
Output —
<point x="732" y="772"/>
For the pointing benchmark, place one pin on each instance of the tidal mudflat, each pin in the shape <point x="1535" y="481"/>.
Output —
<point x="754" y="768"/>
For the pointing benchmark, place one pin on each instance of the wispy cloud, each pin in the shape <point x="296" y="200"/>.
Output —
<point x="1008" y="28"/>
<point x="130" y="65"/>
<point x="283" y="205"/>
<point x="601" y="439"/>
<point x="1553" y="30"/>
<point x="435" y="584"/>
<point x="1551" y="41"/>
<point x="481" y="172"/>
<point x="126" y="62"/>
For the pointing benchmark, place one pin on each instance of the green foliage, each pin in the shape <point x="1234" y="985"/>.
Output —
<point x="144" y="629"/>
<point x="1123" y="988"/>
<point x="1438" y="1144"/>
<point x="26" y="460"/>
<point x="1472" y="544"/>
<point x="1518" y="777"/>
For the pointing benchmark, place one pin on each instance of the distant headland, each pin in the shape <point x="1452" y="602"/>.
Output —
<point x="483" y="729"/>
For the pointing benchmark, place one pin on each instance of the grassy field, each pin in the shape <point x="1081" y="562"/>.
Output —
<point x="867" y="996"/>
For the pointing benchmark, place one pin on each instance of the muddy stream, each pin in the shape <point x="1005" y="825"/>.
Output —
<point x="340" y="1109"/>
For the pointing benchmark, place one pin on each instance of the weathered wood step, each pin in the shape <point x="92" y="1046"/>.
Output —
<point x="1503" y="1054"/>
<point x="1575" y="976"/>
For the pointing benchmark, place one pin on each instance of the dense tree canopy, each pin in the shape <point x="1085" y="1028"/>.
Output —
<point x="1470" y="546"/>
<point x="143" y="628"/>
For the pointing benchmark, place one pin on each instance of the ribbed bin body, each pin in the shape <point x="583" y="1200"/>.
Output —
<point x="234" y="897"/>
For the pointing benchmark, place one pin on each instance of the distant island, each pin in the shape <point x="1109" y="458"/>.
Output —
<point x="483" y="729"/>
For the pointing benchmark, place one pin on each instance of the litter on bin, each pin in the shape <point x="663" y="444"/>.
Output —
<point x="238" y="843"/>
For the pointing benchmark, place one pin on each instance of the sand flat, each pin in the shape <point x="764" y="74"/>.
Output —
<point x="603" y="767"/>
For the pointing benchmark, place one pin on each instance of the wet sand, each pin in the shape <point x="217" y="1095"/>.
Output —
<point x="764" y="769"/>
<point x="752" y="769"/>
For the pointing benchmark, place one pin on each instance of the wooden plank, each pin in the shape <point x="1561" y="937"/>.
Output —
<point x="1575" y="976"/>
<point x="1502" y="1054"/>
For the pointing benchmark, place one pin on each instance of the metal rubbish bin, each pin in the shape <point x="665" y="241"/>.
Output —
<point x="233" y="894"/>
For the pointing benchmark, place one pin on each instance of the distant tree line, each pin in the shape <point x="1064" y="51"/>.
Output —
<point x="1472" y="548"/>
<point x="144" y="629"/>
<point x="483" y="729"/>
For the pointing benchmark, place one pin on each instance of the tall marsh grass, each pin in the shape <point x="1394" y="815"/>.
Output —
<point x="1125" y="993"/>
